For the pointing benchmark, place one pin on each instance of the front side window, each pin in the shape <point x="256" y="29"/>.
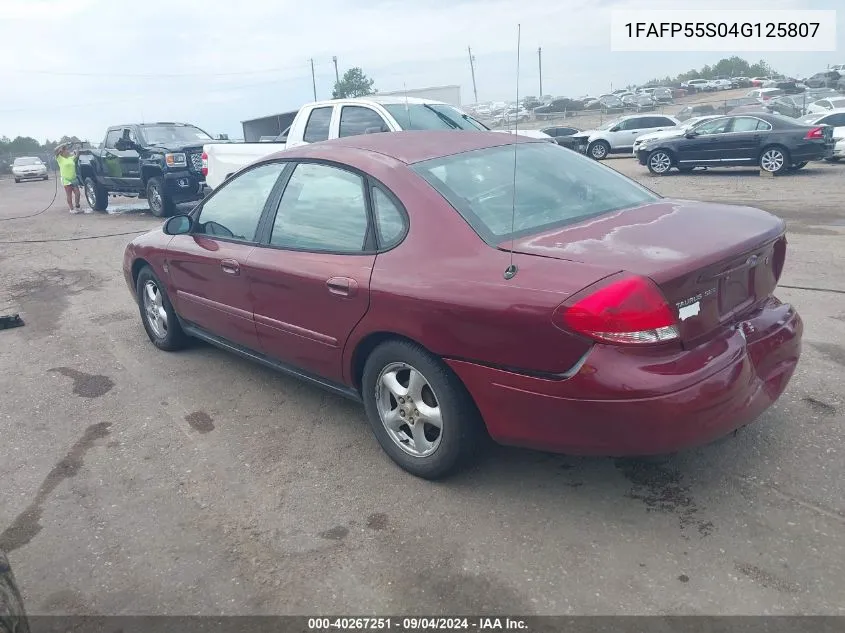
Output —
<point x="716" y="126"/>
<point x="554" y="187"/>
<point x="317" y="128"/>
<point x="323" y="208"/>
<point x="235" y="208"/>
<point x="112" y="137"/>
<point x="356" y="120"/>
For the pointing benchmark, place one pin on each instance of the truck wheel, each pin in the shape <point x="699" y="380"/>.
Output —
<point x="161" y="204"/>
<point x="96" y="195"/>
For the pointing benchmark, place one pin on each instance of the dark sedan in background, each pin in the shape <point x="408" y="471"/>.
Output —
<point x="563" y="135"/>
<point x="775" y="143"/>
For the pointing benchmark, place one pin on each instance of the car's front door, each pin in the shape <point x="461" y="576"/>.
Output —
<point x="311" y="280"/>
<point x="210" y="266"/>
<point x="110" y="157"/>
<point x="705" y="146"/>
<point x="128" y="159"/>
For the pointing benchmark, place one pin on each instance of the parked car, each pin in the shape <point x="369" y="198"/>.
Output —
<point x="161" y="162"/>
<point x="827" y="79"/>
<point x="563" y="135"/>
<point x="617" y="136"/>
<point x="695" y="110"/>
<point x="662" y="94"/>
<point x="29" y="168"/>
<point x="775" y="143"/>
<point x="794" y="106"/>
<point x="752" y="108"/>
<point x="338" y="118"/>
<point x="764" y="94"/>
<point x="790" y="87"/>
<point x="678" y="130"/>
<point x="824" y="105"/>
<point x="698" y="85"/>
<point x="557" y="108"/>
<point x="556" y="327"/>
<point x="639" y="103"/>
<point x="721" y="84"/>
<point x="761" y="82"/>
<point x="836" y="120"/>
<point x="741" y="82"/>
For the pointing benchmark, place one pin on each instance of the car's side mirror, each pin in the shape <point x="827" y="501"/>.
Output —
<point x="178" y="225"/>
<point x="691" y="134"/>
<point x="615" y="128"/>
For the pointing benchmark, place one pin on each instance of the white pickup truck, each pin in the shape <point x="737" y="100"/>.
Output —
<point x="323" y="120"/>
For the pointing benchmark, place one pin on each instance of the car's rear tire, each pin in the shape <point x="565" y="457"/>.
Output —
<point x="659" y="162"/>
<point x="774" y="159"/>
<point x="833" y="159"/>
<point x="96" y="194"/>
<point x="598" y="150"/>
<point x="161" y="204"/>
<point x="157" y="313"/>
<point x="407" y="392"/>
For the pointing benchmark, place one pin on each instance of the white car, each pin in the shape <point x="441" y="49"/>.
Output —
<point x="826" y="105"/>
<point x="618" y="136"/>
<point x="721" y="84"/>
<point x="764" y="94"/>
<point x="836" y="120"/>
<point x="698" y="84"/>
<point x="29" y="168"/>
<point x="677" y="131"/>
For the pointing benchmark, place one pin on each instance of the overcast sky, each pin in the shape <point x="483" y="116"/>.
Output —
<point x="78" y="66"/>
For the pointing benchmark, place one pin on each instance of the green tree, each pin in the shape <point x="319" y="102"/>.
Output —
<point x="734" y="66"/>
<point x="354" y="83"/>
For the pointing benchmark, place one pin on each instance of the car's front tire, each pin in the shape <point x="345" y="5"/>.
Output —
<point x="96" y="195"/>
<point x="420" y="412"/>
<point x="157" y="313"/>
<point x="598" y="150"/>
<point x="774" y="159"/>
<point x="161" y="204"/>
<point x="17" y="180"/>
<point x="659" y="162"/>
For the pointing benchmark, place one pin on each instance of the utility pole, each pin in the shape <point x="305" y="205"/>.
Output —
<point x="472" y="68"/>
<point x="336" y="75"/>
<point x="540" y="62"/>
<point x="313" y="79"/>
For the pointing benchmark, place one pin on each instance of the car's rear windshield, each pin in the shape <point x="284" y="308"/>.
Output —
<point x="554" y="187"/>
<point x="27" y="161"/>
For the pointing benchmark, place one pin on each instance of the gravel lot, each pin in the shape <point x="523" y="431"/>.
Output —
<point x="139" y="482"/>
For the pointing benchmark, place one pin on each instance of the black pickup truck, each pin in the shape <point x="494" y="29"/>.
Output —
<point x="161" y="162"/>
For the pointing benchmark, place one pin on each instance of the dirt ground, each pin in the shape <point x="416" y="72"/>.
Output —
<point x="139" y="482"/>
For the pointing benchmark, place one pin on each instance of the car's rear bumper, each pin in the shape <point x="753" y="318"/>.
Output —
<point x="621" y="403"/>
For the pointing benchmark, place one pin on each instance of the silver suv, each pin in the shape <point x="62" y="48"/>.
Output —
<point x="618" y="136"/>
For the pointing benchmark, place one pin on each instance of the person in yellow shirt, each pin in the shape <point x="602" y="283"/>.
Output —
<point x="67" y="171"/>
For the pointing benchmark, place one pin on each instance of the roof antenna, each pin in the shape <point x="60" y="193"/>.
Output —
<point x="407" y="107"/>
<point x="510" y="271"/>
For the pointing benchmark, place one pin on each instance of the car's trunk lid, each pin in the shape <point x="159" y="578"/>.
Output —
<point x="714" y="263"/>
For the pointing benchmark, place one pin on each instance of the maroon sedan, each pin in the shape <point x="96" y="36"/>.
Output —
<point x="456" y="281"/>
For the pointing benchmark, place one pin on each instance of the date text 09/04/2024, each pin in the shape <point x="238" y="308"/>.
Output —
<point x="722" y="29"/>
<point x="416" y="624"/>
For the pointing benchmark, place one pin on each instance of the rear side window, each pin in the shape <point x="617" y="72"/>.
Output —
<point x="390" y="223"/>
<point x="835" y="120"/>
<point x="554" y="187"/>
<point x="322" y="209"/>
<point x="356" y="120"/>
<point x="662" y="122"/>
<point x="745" y="124"/>
<point x="317" y="128"/>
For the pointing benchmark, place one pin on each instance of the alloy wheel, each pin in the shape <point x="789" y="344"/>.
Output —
<point x="660" y="162"/>
<point x="409" y="409"/>
<point x="154" y="309"/>
<point x="772" y="160"/>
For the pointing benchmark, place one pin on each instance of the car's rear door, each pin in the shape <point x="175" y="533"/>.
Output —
<point x="742" y="143"/>
<point x="210" y="266"/>
<point x="311" y="274"/>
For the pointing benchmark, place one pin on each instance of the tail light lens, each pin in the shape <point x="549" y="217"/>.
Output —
<point x="204" y="164"/>
<point x="629" y="309"/>
<point x="815" y="133"/>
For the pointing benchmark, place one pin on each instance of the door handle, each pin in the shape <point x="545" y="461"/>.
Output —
<point x="342" y="286"/>
<point x="230" y="267"/>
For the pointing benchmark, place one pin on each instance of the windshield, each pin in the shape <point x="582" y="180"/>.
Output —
<point x="27" y="161"/>
<point x="554" y="186"/>
<point x="432" y="116"/>
<point x="163" y="134"/>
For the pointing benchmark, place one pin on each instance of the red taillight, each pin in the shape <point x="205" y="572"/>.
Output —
<point x="629" y="310"/>
<point x="816" y="132"/>
<point x="204" y="164"/>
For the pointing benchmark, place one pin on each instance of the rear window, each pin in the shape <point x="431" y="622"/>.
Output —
<point x="554" y="187"/>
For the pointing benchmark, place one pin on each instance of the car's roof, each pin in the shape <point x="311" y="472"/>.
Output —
<point x="413" y="146"/>
<point x="380" y="100"/>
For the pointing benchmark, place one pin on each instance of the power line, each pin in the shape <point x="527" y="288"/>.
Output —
<point x="74" y="239"/>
